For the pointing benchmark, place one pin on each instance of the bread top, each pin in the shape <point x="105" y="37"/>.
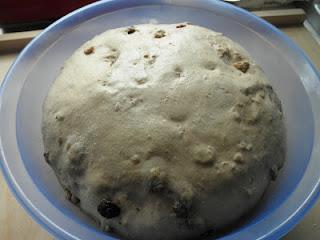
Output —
<point x="152" y="116"/>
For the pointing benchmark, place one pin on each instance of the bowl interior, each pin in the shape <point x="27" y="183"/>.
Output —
<point x="283" y="77"/>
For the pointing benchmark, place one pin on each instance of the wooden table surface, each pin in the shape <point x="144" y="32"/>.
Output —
<point x="15" y="224"/>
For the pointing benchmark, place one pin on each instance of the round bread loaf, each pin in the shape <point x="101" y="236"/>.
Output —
<point x="163" y="132"/>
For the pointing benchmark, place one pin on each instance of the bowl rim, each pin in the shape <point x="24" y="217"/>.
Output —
<point x="114" y="5"/>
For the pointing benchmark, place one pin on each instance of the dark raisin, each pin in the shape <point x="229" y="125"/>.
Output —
<point x="180" y="209"/>
<point x="225" y="54"/>
<point x="59" y="117"/>
<point x="60" y="141"/>
<point x="70" y="197"/>
<point x="274" y="173"/>
<point x="89" y="50"/>
<point x="160" y="34"/>
<point x="108" y="209"/>
<point x="131" y="30"/>
<point x="242" y="66"/>
<point x="181" y="26"/>
<point x="74" y="199"/>
<point x="46" y="157"/>
<point x="156" y="185"/>
<point x="135" y="161"/>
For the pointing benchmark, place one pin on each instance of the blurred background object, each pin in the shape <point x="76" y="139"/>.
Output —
<point x="263" y="4"/>
<point x="21" y="15"/>
<point x="313" y="19"/>
<point x="286" y="12"/>
<point x="21" y="20"/>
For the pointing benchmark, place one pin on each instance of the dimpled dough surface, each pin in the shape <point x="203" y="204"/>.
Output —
<point x="163" y="131"/>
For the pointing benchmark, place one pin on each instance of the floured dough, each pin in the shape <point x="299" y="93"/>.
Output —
<point x="163" y="132"/>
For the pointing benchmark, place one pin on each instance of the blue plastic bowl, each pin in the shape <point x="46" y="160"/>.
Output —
<point x="26" y="85"/>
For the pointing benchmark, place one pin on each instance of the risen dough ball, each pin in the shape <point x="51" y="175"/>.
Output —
<point x="163" y="132"/>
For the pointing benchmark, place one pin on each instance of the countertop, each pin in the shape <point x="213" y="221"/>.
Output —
<point x="16" y="224"/>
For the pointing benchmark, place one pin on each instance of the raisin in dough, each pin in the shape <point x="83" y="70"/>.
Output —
<point x="163" y="132"/>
